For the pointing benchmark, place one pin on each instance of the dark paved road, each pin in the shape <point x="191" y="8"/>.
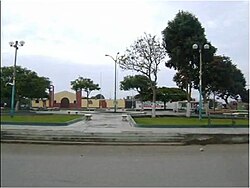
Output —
<point x="65" y="165"/>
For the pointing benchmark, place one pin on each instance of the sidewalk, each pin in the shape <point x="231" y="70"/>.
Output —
<point x="108" y="128"/>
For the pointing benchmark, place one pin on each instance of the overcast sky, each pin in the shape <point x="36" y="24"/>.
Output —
<point x="65" y="39"/>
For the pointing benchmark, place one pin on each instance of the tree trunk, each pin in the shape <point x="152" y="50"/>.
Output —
<point x="17" y="105"/>
<point x="165" y="105"/>
<point x="141" y="104"/>
<point x="190" y="90"/>
<point x="188" y="112"/>
<point x="214" y="102"/>
<point x="226" y="100"/>
<point x="205" y="103"/>
<point x="188" y="96"/>
<point x="87" y="101"/>
<point x="154" y="99"/>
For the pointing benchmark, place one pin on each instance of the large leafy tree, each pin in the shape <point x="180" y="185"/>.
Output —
<point x="244" y="95"/>
<point x="178" y="39"/>
<point x="139" y="83"/>
<point x="84" y="84"/>
<point x="216" y="77"/>
<point x="98" y="96"/>
<point x="144" y="56"/>
<point x="28" y="85"/>
<point x="225" y="79"/>
<point x="165" y="95"/>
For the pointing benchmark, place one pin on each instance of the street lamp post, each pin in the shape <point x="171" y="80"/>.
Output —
<point x="115" y="60"/>
<point x="15" y="45"/>
<point x="200" y="47"/>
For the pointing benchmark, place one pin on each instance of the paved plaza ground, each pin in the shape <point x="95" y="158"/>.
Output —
<point x="111" y="124"/>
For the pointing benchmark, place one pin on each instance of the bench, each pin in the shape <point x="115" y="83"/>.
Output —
<point x="230" y="114"/>
<point x="236" y="114"/>
<point x="124" y="117"/>
<point x="243" y="114"/>
<point x="88" y="117"/>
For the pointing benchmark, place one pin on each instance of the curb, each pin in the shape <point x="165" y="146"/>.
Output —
<point x="191" y="126"/>
<point x="122" y="138"/>
<point x="44" y="124"/>
<point x="93" y="143"/>
<point x="205" y="139"/>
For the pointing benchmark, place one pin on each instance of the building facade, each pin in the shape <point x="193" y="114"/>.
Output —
<point x="69" y="100"/>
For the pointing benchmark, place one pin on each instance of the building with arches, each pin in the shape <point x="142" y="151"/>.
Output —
<point x="70" y="100"/>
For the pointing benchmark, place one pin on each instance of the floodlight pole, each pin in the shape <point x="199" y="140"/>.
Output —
<point x="15" y="45"/>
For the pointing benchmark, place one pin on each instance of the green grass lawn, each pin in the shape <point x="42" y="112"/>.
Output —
<point x="55" y="118"/>
<point x="187" y="121"/>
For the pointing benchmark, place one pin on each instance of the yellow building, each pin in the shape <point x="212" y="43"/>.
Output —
<point x="40" y="103"/>
<point x="103" y="103"/>
<point x="69" y="100"/>
<point x="63" y="99"/>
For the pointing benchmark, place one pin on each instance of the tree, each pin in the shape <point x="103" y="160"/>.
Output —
<point x="178" y="38"/>
<point x="244" y="95"/>
<point x="224" y="79"/>
<point x="98" y="96"/>
<point x="165" y="95"/>
<point x="139" y="83"/>
<point x="85" y="84"/>
<point x="28" y="85"/>
<point x="144" y="56"/>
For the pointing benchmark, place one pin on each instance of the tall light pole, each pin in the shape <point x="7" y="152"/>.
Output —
<point x="15" y="45"/>
<point x="115" y="60"/>
<point x="200" y="47"/>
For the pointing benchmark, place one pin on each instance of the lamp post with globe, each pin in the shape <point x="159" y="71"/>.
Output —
<point x="200" y="48"/>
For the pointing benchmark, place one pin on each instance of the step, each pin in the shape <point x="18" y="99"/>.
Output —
<point x="92" y="143"/>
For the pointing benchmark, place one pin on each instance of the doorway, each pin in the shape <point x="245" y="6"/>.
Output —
<point x="64" y="103"/>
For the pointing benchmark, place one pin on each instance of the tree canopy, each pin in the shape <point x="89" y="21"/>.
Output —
<point x="28" y="84"/>
<point x="178" y="38"/>
<point x="144" y="56"/>
<point x="170" y="94"/>
<point x="244" y="95"/>
<point x="84" y="84"/>
<point x="225" y="79"/>
<point x="98" y="96"/>
<point x="139" y="83"/>
<point x="165" y="95"/>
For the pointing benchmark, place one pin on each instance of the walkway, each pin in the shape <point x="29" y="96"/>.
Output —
<point x="111" y="127"/>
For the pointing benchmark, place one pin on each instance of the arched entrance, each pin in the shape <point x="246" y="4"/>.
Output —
<point x="64" y="103"/>
<point x="102" y="104"/>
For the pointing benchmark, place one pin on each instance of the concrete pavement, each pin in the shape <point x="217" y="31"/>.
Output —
<point x="27" y="165"/>
<point x="108" y="128"/>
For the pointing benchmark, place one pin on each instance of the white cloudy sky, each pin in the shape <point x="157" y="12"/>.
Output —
<point x="68" y="38"/>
